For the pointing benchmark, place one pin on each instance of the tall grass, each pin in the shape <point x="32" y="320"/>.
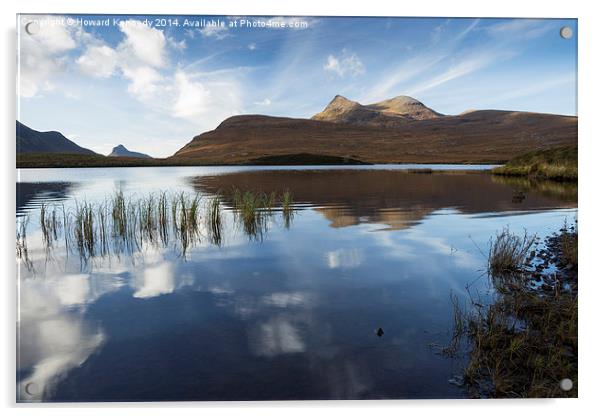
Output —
<point x="569" y="244"/>
<point x="214" y="221"/>
<point x="523" y="340"/>
<point x="254" y="210"/>
<point x="49" y="224"/>
<point x="287" y="208"/>
<point x="21" y="246"/>
<point x="126" y="224"/>
<point x="163" y="217"/>
<point x="509" y="253"/>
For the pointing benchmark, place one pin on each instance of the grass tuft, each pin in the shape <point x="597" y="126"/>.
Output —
<point x="509" y="253"/>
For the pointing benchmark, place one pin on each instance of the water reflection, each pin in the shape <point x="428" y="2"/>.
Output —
<point x="55" y="336"/>
<point x="396" y="199"/>
<point x="291" y="316"/>
<point x="32" y="195"/>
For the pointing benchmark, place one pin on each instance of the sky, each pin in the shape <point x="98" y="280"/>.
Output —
<point x="152" y="83"/>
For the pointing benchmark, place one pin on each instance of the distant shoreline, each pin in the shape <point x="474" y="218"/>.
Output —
<point x="68" y="160"/>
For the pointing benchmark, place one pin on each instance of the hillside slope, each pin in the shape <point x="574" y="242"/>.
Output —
<point x="476" y="137"/>
<point x="33" y="141"/>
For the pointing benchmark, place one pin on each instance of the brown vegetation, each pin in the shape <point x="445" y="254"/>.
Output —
<point x="476" y="137"/>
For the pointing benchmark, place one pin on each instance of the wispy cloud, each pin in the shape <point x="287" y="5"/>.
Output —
<point x="457" y="70"/>
<point x="535" y="88"/>
<point x="345" y="63"/>
<point x="525" y="29"/>
<point x="218" y="32"/>
<point x="154" y="83"/>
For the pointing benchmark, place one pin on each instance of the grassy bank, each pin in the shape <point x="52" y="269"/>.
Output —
<point x="558" y="164"/>
<point x="523" y="343"/>
<point x="72" y="160"/>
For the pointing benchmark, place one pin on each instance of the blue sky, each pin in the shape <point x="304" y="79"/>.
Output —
<point x="152" y="85"/>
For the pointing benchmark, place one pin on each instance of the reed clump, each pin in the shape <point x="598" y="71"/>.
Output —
<point x="123" y="224"/>
<point x="254" y="210"/>
<point x="509" y="253"/>
<point x="524" y="341"/>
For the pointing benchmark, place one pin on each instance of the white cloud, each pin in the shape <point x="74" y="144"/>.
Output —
<point x="217" y="32"/>
<point x="200" y="99"/>
<point x="139" y="56"/>
<point x="344" y="64"/>
<point x="98" y="61"/>
<point x="252" y="46"/>
<point x="192" y="98"/>
<point x="263" y="103"/>
<point x="41" y="56"/>
<point x="144" y="82"/>
<point x="143" y="43"/>
<point x="177" y="45"/>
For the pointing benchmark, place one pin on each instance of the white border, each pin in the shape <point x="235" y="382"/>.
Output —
<point x="590" y="139"/>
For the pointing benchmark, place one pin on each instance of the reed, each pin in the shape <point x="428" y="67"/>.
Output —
<point x="163" y="217"/>
<point x="21" y="246"/>
<point x="119" y="214"/>
<point x="523" y="340"/>
<point x="509" y="253"/>
<point x="287" y="208"/>
<point x="252" y="213"/>
<point x="121" y="224"/>
<point x="49" y="224"/>
<point x="102" y="229"/>
<point x="214" y="221"/>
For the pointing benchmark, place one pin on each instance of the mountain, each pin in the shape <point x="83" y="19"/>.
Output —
<point x="121" y="151"/>
<point x="33" y="141"/>
<point x="394" y="112"/>
<point x="415" y="136"/>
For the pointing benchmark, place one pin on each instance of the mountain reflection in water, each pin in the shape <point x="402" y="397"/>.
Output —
<point x="396" y="199"/>
<point x="289" y="316"/>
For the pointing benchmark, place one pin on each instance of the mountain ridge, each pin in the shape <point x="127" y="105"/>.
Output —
<point x="398" y="130"/>
<point x="121" y="151"/>
<point x="33" y="141"/>
<point x="394" y="112"/>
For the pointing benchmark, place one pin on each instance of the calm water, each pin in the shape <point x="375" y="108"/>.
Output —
<point x="291" y="315"/>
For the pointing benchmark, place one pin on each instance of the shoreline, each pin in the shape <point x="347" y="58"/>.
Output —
<point x="69" y="160"/>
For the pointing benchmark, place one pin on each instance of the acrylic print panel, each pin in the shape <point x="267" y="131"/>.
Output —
<point x="273" y="208"/>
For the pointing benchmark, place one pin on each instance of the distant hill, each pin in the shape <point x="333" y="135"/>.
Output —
<point x="400" y="130"/>
<point x="121" y="151"/>
<point x="394" y="112"/>
<point x="33" y="141"/>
